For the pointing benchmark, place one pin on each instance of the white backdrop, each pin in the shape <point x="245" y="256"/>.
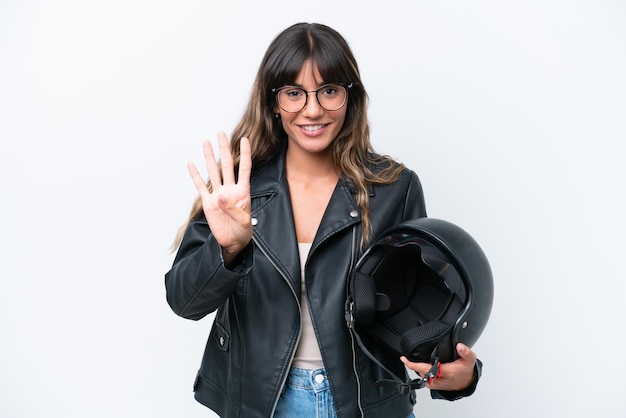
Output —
<point x="512" y="113"/>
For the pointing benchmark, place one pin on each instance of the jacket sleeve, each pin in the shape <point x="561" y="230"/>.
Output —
<point x="198" y="282"/>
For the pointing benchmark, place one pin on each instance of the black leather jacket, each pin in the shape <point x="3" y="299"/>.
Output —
<point x="257" y="326"/>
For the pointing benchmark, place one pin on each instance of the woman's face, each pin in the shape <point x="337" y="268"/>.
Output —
<point x="313" y="128"/>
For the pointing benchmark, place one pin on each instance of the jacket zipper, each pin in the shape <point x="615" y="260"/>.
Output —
<point x="353" y="343"/>
<point x="293" y="353"/>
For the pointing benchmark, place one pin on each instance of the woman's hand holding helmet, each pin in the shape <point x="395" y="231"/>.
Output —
<point x="456" y="375"/>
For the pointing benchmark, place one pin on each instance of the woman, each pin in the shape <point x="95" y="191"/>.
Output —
<point x="296" y="198"/>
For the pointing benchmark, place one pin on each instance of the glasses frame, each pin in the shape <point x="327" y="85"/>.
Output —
<point x="346" y="86"/>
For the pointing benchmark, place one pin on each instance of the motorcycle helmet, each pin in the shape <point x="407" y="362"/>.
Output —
<point x="421" y="288"/>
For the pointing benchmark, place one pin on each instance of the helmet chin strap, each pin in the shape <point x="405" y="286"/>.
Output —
<point x="403" y="387"/>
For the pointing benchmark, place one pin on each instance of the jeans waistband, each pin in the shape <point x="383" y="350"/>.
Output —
<point x="305" y="378"/>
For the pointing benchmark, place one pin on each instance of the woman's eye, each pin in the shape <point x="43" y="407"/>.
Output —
<point x="329" y="91"/>
<point x="294" y="94"/>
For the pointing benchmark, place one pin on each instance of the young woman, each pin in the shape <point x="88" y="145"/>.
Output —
<point x="296" y="198"/>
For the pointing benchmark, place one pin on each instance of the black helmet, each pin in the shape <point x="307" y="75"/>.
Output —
<point x="419" y="290"/>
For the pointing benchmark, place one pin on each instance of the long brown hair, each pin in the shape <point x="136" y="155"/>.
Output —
<point x="351" y="152"/>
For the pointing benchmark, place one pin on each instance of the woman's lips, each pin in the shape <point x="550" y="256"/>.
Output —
<point x="313" y="130"/>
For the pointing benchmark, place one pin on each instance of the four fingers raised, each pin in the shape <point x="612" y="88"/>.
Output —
<point x="226" y="175"/>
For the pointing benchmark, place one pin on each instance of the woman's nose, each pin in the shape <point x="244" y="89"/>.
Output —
<point x="312" y="107"/>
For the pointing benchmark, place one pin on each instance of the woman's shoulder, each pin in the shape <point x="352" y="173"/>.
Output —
<point x="384" y="165"/>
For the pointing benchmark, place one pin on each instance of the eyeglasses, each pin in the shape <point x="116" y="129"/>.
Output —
<point x="330" y="96"/>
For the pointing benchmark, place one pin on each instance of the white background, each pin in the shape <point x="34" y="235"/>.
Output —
<point x="511" y="112"/>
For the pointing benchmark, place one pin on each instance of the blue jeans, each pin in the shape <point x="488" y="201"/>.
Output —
<point x="307" y="395"/>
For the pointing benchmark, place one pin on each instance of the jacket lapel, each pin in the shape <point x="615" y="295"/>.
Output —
<point x="272" y="216"/>
<point x="342" y="212"/>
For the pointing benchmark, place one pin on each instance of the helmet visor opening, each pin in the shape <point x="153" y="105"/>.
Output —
<point x="419" y="281"/>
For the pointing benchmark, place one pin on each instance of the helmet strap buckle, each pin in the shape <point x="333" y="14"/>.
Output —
<point x="434" y="372"/>
<point x="349" y="314"/>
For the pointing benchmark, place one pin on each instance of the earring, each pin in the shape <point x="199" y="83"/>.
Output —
<point x="276" y="115"/>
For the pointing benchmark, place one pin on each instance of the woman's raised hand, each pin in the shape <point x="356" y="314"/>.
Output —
<point x="227" y="206"/>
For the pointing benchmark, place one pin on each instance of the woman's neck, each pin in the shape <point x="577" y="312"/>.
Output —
<point x="311" y="182"/>
<point x="305" y="167"/>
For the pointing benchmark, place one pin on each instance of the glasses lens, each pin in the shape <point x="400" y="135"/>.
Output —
<point x="332" y="96"/>
<point x="291" y="99"/>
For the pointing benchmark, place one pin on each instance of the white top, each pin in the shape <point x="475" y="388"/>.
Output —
<point x="308" y="354"/>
